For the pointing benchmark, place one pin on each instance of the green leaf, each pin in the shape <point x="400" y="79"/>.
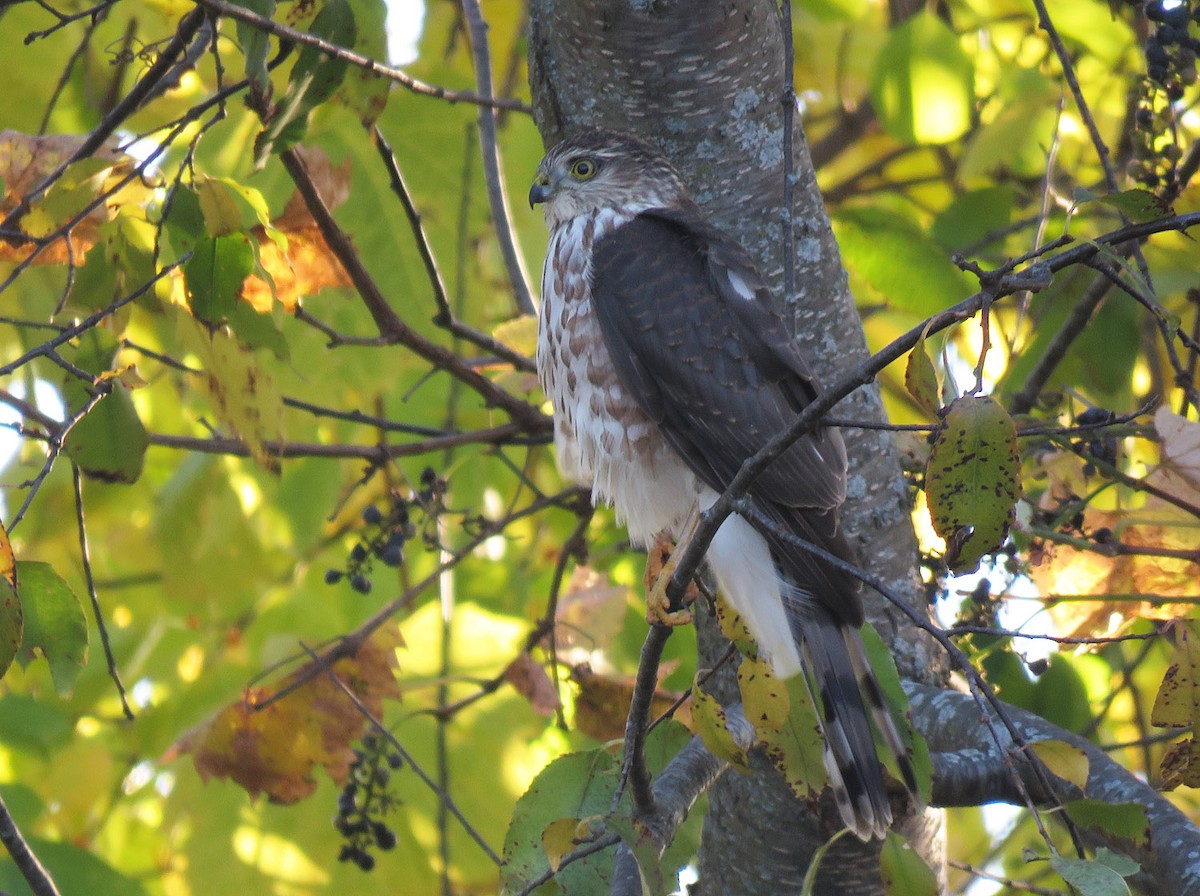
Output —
<point x="364" y="91"/>
<point x="256" y="43"/>
<point x="883" y="664"/>
<point x="1125" y="820"/>
<point x="645" y="853"/>
<point x="12" y="619"/>
<point x="921" y="379"/>
<point x="35" y="726"/>
<point x="897" y="260"/>
<point x="1094" y="877"/>
<point x="924" y="82"/>
<point x="215" y="273"/>
<point x="314" y="79"/>
<point x="973" y="480"/>
<point x="797" y="749"/>
<point x="12" y="624"/>
<point x="973" y="217"/>
<point x="110" y="443"/>
<point x="576" y="786"/>
<point x="1137" y="205"/>
<point x="904" y="872"/>
<point x="55" y="624"/>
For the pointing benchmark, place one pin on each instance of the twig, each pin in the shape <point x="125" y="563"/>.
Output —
<point x="508" y="434"/>
<point x="85" y="556"/>
<point x="188" y="26"/>
<point x="292" y="35"/>
<point x="389" y="323"/>
<point x="34" y="872"/>
<point x="489" y="147"/>
<point x="445" y="316"/>
<point x="633" y="768"/>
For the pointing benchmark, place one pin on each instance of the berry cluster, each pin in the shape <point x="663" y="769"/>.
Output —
<point x="365" y="801"/>
<point x="1171" y="53"/>
<point x="383" y="538"/>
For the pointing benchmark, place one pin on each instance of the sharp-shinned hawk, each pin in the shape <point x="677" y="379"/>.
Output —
<point x="669" y="363"/>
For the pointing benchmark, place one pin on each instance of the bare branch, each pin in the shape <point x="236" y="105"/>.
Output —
<point x="292" y="35"/>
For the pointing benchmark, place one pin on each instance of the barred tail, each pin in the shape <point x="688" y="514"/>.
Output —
<point x="837" y="661"/>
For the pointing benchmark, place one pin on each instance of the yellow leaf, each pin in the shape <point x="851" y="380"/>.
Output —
<point x="558" y="839"/>
<point x="519" y="334"/>
<point x="242" y="392"/>
<point x="1067" y="762"/>
<point x="1181" y="765"/>
<point x="764" y="697"/>
<point x="713" y="728"/>
<point x="1179" y="694"/>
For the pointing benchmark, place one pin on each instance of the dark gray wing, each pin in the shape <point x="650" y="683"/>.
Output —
<point x="698" y="341"/>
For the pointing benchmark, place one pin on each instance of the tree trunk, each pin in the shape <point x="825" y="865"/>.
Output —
<point x="705" y="83"/>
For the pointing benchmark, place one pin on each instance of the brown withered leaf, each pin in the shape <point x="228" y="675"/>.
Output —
<point x="295" y="256"/>
<point x="25" y="162"/>
<point x="531" y="682"/>
<point x="1181" y="765"/>
<point x="274" y="748"/>
<point x="603" y="702"/>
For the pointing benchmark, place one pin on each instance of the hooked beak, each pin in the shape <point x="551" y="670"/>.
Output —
<point x="540" y="191"/>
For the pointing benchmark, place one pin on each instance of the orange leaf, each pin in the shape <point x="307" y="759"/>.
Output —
<point x="306" y="267"/>
<point x="272" y="747"/>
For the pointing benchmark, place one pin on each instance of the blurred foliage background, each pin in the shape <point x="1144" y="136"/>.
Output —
<point x="260" y="469"/>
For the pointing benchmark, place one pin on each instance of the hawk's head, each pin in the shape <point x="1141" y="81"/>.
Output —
<point x="596" y="169"/>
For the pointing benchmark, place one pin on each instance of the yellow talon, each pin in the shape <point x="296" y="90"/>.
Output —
<point x="659" y="569"/>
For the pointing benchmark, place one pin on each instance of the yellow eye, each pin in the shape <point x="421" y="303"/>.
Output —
<point x="583" y="169"/>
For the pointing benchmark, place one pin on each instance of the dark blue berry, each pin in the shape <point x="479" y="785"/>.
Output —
<point x="395" y="760"/>
<point x="372" y="515"/>
<point x="361" y="584"/>
<point x="333" y="576"/>
<point x="358" y="554"/>
<point x="385" y="837"/>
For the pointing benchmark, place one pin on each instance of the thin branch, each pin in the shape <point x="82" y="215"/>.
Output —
<point x="508" y="434"/>
<point x="634" y="769"/>
<point x="445" y="316"/>
<point x="405" y="80"/>
<point x="490" y="148"/>
<point x="389" y="323"/>
<point x="85" y="556"/>
<point x="34" y="872"/>
<point x="188" y="26"/>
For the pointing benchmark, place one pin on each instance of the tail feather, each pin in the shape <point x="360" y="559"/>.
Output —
<point x="885" y="723"/>
<point x="850" y="757"/>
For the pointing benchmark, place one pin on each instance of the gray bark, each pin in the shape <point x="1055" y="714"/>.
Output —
<point x="704" y="83"/>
